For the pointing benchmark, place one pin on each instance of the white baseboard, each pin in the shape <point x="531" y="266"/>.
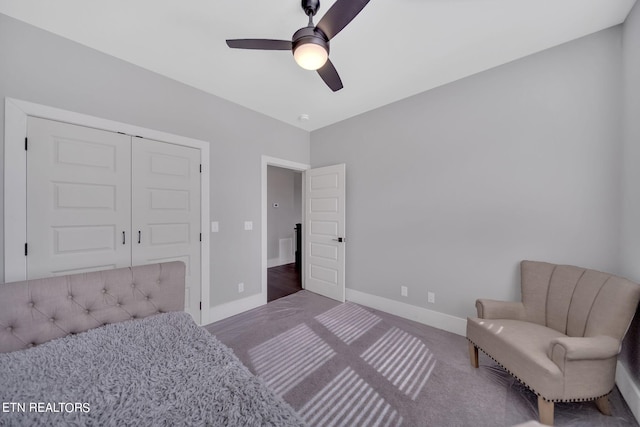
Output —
<point x="276" y="262"/>
<point x="629" y="389"/>
<point x="222" y="311"/>
<point x="425" y="316"/>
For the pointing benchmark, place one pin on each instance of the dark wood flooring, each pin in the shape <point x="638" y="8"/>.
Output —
<point x="282" y="281"/>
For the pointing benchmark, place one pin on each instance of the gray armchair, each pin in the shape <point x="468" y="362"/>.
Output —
<point x="562" y="340"/>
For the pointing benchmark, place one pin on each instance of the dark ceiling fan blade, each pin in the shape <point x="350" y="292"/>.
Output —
<point x="339" y="15"/>
<point x="330" y="76"/>
<point x="260" y="44"/>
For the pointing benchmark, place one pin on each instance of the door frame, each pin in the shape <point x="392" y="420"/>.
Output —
<point x="284" y="164"/>
<point x="15" y="180"/>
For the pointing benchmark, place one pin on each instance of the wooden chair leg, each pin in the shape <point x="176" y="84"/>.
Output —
<point x="473" y="354"/>
<point x="603" y="405"/>
<point x="545" y="411"/>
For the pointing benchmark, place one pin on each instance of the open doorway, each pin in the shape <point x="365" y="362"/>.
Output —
<point x="284" y="232"/>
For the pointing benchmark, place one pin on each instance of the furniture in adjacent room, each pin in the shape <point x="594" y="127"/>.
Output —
<point x="562" y="340"/>
<point x="298" y="230"/>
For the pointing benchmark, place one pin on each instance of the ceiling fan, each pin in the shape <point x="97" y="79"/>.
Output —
<point x="310" y="44"/>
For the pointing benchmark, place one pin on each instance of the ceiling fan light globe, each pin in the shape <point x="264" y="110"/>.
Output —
<point x="310" y="56"/>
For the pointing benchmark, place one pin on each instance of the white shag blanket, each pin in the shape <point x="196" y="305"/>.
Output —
<point x="163" y="370"/>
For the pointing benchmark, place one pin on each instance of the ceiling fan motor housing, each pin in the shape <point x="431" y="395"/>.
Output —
<point x="309" y="35"/>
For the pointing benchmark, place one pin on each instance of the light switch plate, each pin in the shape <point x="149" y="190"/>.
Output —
<point x="248" y="225"/>
<point x="215" y="227"/>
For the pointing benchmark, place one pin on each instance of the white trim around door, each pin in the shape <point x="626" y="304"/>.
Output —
<point x="15" y="197"/>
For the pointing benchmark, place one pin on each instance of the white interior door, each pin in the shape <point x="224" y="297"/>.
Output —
<point x="78" y="199"/>
<point x="166" y="210"/>
<point x="325" y="231"/>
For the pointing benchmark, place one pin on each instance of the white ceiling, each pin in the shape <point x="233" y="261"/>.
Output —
<point x="392" y="50"/>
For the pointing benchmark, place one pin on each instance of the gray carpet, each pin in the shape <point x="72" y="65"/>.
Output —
<point x="348" y="365"/>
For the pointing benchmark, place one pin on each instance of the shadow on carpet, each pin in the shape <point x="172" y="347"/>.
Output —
<point x="349" y="365"/>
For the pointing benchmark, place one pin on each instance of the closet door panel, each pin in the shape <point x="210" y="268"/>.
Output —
<point x="166" y="209"/>
<point x="78" y="199"/>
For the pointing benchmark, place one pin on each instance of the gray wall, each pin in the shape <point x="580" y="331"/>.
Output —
<point x="40" y="67"/>
<point x="284" y="188"/>
<point x="630" y="259"/>
<point x="450" y="189"/>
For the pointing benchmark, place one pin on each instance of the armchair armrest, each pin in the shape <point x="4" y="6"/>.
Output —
<point x="492" y="309"/>
<point x="565" y="349"/>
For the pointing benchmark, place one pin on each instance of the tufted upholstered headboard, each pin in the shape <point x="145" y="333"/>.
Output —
<point x="36" y="311"/>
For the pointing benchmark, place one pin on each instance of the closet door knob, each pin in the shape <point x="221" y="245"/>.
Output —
<point x="139" y="234"/>
<point x="123" y="238"/>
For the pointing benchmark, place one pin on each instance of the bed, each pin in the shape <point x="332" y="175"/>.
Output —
<point x="114" y="348"/>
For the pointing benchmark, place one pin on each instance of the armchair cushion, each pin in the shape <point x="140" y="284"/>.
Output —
<point x="521" y="348"/>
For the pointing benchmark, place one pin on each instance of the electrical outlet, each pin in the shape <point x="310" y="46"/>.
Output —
<point x="431" y="297"/>
<point x="404" y="291"/>
<point x="240" y="287"/>
<point x="248" y="225"/>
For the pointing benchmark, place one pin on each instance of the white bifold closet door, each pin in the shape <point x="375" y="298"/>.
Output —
<point x="99" y="200"/>
<point x="78" y="199"/>
<point x="166" y="209"/>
